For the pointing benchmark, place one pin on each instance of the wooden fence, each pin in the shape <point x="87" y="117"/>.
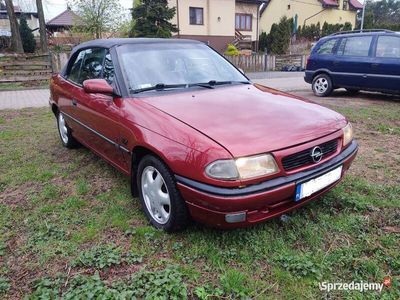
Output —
<point x="34" y="69"/>
<point x="263" y="63"/>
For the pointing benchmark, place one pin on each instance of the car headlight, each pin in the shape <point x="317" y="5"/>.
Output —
<point x="243" y="168"/>
<point x="347" y="134"/>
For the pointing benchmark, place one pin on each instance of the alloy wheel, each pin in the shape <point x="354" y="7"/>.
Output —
<point x="321" y="85"/>
<point x="155" y="194"/>
<point x="62" y="127"/>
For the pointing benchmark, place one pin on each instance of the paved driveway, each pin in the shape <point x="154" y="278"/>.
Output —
<point x="24" y="98"/>
<point x="285" y="81"/>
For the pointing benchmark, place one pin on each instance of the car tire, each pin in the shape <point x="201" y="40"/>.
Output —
<point x="159" y="195"/>
<point x="352" y="91"/>
<point x="65" y="133"/>
<point x="322" y="85"/>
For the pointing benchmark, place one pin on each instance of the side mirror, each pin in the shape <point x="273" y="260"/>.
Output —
<point x="97" y="86"/>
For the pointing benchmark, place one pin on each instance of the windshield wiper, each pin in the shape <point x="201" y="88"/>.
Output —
<point x="158" y="87"/>
<point x="163" y="86"/>
<point x="213" y="83"/>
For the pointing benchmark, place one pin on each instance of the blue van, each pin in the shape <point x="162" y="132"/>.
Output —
<point x="367" y="60"/>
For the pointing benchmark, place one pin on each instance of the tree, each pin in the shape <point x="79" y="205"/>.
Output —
<point x="42" y="26"/>
<point x="152" y="18"/>
<point x="384" y="14"/>
<point x="279" y="38"/>
<point x="28" y="40"/>
<point x="16" y="43"/>
<point x="262" y="45"/>
<point x="98" y="16"/>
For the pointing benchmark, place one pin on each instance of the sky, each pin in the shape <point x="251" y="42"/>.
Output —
<point x="54" y="7"/>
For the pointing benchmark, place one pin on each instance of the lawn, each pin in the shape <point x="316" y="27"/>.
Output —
<point x="69" y="227"/>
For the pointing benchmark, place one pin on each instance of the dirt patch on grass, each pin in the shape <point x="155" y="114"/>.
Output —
<point x="18" y="196"/>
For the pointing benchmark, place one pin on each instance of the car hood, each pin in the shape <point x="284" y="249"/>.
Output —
<point x="246" y="120"/>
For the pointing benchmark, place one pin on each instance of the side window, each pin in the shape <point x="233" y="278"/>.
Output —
<point x="355" y="46"/>
<point x="388" y="46"/>
<point x="327" y="47"/>
<point x="73" y="74"/>
<point x="92" y="65"/>
<point x="108" y="71"/>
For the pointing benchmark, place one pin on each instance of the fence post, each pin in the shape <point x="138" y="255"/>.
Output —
<point x="273" y="62"/>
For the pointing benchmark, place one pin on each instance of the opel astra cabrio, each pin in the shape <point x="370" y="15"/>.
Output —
<point x="197" y="138"/>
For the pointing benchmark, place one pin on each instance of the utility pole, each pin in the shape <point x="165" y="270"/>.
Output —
<point x="363" y="15"/>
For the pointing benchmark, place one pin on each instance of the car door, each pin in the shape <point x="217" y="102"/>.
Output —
<point x="324" y="55"/>
<point x="67" y="88"/>
<point x="384" y="71"/>
<point x="100" y="114"/>
<point x="352" y="61"/>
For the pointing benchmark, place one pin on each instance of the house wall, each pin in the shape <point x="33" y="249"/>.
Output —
<point x="33" y="23"/>
<point x="279" y="8"/>
<point x="251" y="9"/>
<point x="218" y="17"/>
<point x="219" y="21"/>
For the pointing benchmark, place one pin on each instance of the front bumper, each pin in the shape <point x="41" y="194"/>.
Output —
<point x="215" y="206"/>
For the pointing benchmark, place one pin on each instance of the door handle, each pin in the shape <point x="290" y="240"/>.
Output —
<point x="374" y="65"/>
<point x="335" y="63"/>
<point x="74" y="102"/>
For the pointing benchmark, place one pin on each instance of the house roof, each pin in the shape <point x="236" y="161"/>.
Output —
<point x="264" y="6"/>
<point x="67" y="18"/>
<point x="356" y="4"/>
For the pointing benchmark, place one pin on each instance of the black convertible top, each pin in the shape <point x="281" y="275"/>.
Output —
<point x="109" y="43"/>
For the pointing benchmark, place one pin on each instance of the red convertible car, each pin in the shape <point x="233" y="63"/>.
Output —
<point x="197" y="138"/>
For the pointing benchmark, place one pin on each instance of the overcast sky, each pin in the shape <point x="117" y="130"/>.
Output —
<point x="54" y="7"/>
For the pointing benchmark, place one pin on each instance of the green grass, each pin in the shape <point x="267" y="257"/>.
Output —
<point x="12" y="86"/>
<point x="69" y="211"/>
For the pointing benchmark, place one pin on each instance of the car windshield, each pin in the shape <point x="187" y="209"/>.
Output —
<point x="160" y="66"/>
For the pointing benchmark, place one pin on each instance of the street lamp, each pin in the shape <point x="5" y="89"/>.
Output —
<point x="363" y="15"/>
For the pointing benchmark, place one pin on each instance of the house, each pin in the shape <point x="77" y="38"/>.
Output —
<point x="61" y="24"/>
<point x="218" y="22"/>
<point x="31" y="18"/>
<point x="307" y="12"/>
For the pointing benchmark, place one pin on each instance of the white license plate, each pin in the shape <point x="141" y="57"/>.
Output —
<point x="314" y="185"/>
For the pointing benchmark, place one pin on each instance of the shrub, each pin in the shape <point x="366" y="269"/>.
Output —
<point x="279" y="38"/>
<point x="28" y="40"/>
<point x="263" y="41"/>
<point x="231" y="50"/>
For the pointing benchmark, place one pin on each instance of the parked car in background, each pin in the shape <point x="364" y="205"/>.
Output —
<point x="196" y="137"/>
<point x="368" y="60"/>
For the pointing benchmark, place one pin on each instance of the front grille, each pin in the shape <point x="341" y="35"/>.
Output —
<point x="304" y="158"/>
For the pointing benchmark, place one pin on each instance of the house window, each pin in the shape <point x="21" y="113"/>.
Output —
<point x="196" y="15"/>
<point x="243" y="22"/>
<point x="345" y="4"/>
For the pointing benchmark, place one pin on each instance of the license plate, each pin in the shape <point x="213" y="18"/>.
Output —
<point x="314" y="185"/>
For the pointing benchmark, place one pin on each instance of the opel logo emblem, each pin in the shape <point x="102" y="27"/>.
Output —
<point x="316" y="154"/>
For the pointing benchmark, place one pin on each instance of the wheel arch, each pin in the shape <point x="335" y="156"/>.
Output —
<point x="54" y="109"/>
<point x="322" y="71"/>
<point x="138" y="152"/>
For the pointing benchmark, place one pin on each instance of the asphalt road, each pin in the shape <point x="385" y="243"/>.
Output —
<point x="285" y="81"/>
